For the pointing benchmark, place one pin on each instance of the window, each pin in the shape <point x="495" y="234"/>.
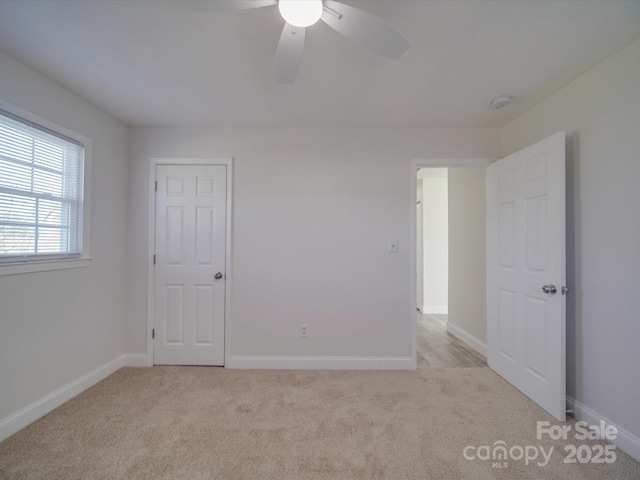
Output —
<point x="41" y="192"/>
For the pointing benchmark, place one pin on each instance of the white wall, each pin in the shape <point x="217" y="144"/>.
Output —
<point x="600" y="111"/>
<point x="467" y="256"/>
<point x="57" y="326"/>
<point x="313" y="212"/>
<point x="435" y="238"/>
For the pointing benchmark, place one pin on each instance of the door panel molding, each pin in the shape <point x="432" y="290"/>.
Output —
<point x="151" y="234"/>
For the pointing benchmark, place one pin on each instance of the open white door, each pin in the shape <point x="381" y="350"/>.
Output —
<point x="526" y="272"/>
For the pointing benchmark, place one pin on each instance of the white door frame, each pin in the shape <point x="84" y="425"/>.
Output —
<point x="154" y="162"/>
<point x="415" y="165"/>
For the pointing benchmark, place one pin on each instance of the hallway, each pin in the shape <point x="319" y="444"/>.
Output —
<point x="439" y="349"/>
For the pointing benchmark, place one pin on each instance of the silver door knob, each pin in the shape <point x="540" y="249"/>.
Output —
<point x="218" y="276"/>
<point x="549" y="289"/>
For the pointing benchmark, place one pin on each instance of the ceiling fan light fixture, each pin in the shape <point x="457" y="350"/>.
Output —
<point x="300" y="13"/>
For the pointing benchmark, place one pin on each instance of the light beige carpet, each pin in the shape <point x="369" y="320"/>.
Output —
<point x="210" y="423"/>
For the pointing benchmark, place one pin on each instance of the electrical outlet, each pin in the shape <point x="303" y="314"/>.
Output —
<point x="303" y="330"/>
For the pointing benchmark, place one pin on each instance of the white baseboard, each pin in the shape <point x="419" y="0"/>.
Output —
<point x="29" y="414"/>
<point x="625" y="441"/>
<point x="321" y="363"/>
<point x="135" y="360"/>
<point x="478" y="345"/>
<point x="436" y="310"/>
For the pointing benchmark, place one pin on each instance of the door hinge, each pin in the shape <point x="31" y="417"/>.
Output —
<point x="156" y="186"/>
<point x="154" y="258"/>
<point x="153" y="333"/>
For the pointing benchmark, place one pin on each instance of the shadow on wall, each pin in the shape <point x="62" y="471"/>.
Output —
<point x="573" y="342"/>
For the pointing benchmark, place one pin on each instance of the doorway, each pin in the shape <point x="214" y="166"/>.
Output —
<point x="450" y="271"/>
<point x="525" y="255"/>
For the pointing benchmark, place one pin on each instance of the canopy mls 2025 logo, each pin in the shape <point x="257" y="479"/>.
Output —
<point x="500" y="454"/>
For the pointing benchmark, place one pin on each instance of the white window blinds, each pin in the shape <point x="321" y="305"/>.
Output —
<point x="41" y="179"/>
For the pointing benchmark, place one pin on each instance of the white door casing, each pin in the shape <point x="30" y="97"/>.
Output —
<point x="190" y="252"/>
<point x="526" y="252"/>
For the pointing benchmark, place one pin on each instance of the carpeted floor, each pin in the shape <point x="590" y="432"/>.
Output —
<point x="210" y="423"/>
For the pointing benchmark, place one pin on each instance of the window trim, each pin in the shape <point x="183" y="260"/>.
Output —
<point x="31" y="264"/>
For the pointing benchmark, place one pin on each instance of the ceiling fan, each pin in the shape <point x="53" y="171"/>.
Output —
<point x="357" y="25"/>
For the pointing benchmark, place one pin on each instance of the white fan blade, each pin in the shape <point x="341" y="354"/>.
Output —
<point x="365" y="29"/>
<point x="289" y="54"/>
<point x="205" y="6"/>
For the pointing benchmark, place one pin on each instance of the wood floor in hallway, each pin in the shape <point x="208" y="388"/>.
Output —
<point x="439" y="349"/>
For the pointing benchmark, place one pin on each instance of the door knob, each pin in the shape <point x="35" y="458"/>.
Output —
<point x="218" y="276"/>
<point x="549" y="289"/>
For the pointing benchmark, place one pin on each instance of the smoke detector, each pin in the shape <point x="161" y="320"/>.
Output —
<point x="501" y="102"/>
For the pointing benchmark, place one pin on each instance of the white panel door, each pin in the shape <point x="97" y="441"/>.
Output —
<point x="189" y="290"/>
<point x="526" y="308"/>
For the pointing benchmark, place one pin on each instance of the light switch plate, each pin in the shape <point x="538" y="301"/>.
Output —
<point x="393" y="246"/>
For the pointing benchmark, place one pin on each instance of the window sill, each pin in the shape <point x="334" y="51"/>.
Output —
<point x="46" y="266"/>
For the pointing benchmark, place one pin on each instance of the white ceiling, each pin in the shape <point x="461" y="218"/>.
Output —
<point x="168" y="63"/>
